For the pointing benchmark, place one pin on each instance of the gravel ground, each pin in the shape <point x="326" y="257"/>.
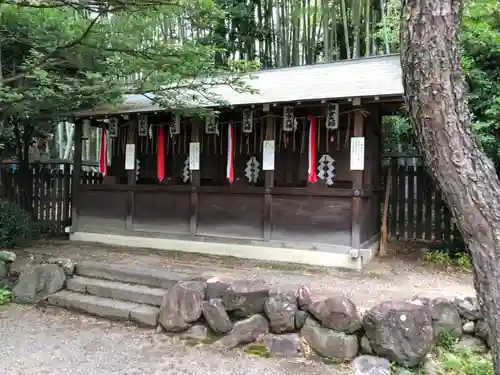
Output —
<point x="48" y="341"/>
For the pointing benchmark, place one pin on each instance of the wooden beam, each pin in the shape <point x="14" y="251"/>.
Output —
<point x="268" y="184"/>
<point x="357" y="186"/>
<point x="131" y="174"/>
<point x="77" y="177"/>
<point x="195" y="180"/>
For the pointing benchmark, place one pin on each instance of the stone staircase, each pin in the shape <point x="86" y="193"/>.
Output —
<point x="116" y="292"/>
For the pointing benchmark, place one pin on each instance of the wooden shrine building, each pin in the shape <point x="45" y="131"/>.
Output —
<point x="290" y="173"/>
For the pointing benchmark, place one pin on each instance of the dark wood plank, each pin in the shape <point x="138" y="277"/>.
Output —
<point x="393" y="206"/>
<point x="357" y="182"/>
<point x="66" y="195"/>
<point x="312" y="220"/>
<point x="60" y="200"/>
<point x="195" y="181"/>
<point x="447" y="224"/>
<point x="410" y="215"/>
<point x="232" y="216"/>
<point x="419" y="204"/>
<point x="102" y="210"/>
<point x="77" y="176"/>
<point x="36" y="190"/>
<point x="428" y="203"/>
<point x="402" y="202"/>
<point x="131" y="174"/>
<point x="268" y="185"/>
<point x="53" y="201"/>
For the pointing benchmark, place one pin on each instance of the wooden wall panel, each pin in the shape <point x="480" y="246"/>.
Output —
<point x="315" y="220"/>
<point x="102" y="209"/>
<point x="370" y="217"/>
<point x="231" y="215"/>
<point x="164" y="212"/>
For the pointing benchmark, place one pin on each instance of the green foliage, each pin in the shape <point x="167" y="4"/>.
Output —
<point x="444" y="258"/>
<point x="465" y="363"/>
<point x="16" y="227"/>
<point x="446" y="341"/>
<point x="5" y="296"/>
<point x="257" y="350"/>
<point x="480" y="57"/>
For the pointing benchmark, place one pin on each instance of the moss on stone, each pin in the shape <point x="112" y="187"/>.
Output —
<point x="259" y="350"/>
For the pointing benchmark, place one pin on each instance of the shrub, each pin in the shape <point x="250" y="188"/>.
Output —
<point x="16" y="226"/>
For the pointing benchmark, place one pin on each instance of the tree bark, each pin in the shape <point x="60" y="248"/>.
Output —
<point x="437" y="100"/>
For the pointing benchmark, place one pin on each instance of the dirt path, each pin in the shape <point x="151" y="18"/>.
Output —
<point x="381" y="280"/>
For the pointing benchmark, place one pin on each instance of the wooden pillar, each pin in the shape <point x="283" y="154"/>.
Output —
<point x="268" y="184"/>
<point x="357" y="179"/>
<point x="77" y="176"/>
<point x="131" y="173"/>
<point x="195" y="179"/>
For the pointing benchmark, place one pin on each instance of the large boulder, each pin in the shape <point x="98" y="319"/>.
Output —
<point x="468" y="308"/>
<point x="338" y="313"/>
<point x="215" y="288"/>
<point x="216" y="316"/>
<point x="329" y="343"/>
<point x="482" y="330"/>
<point x="181" y="306"/>
<point x="306" y="297"/>
<point x="246" y="297"/>
<point x="370" y="365"/>
<point x="7" y="256"/>
<point x="287" y="345"/>
<point x="280" y="309"/>
<point x="472" y="343"/>
<point x="300" y="319"/>
<point x="38" y="282"/>
<point x="244" y="332"/>
<point x="445" y="316"/>
<point x="66" y="264"/>
<point x="400" y="331"/>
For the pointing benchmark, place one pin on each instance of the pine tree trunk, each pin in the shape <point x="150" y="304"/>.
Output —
<point x="436" y="97"/>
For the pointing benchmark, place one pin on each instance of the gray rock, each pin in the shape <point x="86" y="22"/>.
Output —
<point x="181" y="306"/>
<point x="482" y="330"/>
<point x="38" y="282"/>
<point x="215" y="288"/>
<point x="216" y="316"/>
<point x="365" y="346"/>
<point x="246" y="297"/>
<point x="475" y="344"/>
<point x="430" y="366"/>
<point x="7" y="256"/>
<point x="468" y="328"/>
<point x="4" y="269"/>
<point x="283" y="345"/>
<point x="280" y="309"/>
<point x="338" y="313"/>
<point x="329" y="343"/>
<point x="197" y="332"/>
<point x="400" y="331"/>
<point x="66" y="264"/>
<point x="244" y="332"/>
<point x="468" y="308"/>
<point x="370" y="365"/>
<point x="300" y="318"/>
<point x="306" y="297"/>
<point x="159" y="329"/>
<point x="445" y="316"/>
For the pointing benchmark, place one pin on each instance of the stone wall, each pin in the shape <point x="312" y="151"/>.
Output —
<point x="291" y="323"/>
<point x="302" y="322"/>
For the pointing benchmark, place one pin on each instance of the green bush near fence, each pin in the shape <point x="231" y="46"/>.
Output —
<point x="16" y="226"/>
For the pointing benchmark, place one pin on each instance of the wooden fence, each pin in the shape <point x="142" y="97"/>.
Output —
<point x="417" y="210"/>
<point x="47" y="193"/>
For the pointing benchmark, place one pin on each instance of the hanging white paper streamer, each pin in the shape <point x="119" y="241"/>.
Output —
<point x="326" y="169"/>
<point x="186" y="173"/>
<point x="252" y="170"/>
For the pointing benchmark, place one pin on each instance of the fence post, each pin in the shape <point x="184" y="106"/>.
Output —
<point x="66" y="194"/>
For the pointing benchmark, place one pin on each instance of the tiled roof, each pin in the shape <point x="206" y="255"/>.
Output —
<point x="365" y="77"/>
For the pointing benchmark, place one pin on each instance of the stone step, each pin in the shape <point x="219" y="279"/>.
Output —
<point x="106" y="307"/>
<point x="143" y="276"/>
<point x="117" y="290"/>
